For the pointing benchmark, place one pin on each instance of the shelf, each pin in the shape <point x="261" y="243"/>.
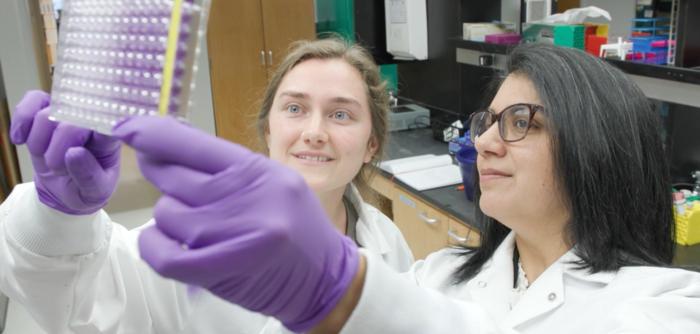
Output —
<point x="666" y="83"/>
<point x="680" y="74"/>
<point x="482" y="46"/>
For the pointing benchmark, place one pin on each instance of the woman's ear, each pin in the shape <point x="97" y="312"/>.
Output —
<point x="372" y="147"/>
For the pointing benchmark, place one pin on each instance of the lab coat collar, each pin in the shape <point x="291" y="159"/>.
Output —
<point x="493" y="286"/>
<point x="369" y="234"/>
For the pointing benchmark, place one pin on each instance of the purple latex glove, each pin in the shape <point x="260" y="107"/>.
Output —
<point x="240" y="225"/>
<point x="75" y="169"/>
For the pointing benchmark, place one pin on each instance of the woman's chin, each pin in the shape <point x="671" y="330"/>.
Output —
<point x="491" y="206"/>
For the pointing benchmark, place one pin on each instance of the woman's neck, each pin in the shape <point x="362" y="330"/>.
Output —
<point x="537" y="254"/>
<point x="332" y="202"/>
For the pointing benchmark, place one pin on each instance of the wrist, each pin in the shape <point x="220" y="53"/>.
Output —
<point x="335" y="320"/>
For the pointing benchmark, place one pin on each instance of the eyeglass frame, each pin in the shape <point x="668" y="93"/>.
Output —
<point x="532" y="108"/>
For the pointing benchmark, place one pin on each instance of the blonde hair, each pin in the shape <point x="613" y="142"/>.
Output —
<point x="357" y="57"/>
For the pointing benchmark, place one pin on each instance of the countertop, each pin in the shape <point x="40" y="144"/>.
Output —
<point x="402" y="144"/>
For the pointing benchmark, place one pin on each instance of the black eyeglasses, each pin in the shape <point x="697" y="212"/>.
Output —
<point x="513" y="121"/>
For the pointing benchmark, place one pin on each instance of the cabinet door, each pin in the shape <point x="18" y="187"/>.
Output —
<point x="286" y="21"/>
<point x="459" y="234"/>
<point x="424" y="228"/>
<point x="383" y="186"/>
<point x="238" y="75"/>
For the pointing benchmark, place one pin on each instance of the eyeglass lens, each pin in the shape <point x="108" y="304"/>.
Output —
<point x="513" y="124"/>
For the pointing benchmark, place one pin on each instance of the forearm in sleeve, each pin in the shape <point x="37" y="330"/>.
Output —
<point x="394" y="303"/>
<point x="81" y="274"/>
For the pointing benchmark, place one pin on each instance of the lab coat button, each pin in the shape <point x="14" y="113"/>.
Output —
<point x="552" y="296"/>
<point x="482" y="284"/>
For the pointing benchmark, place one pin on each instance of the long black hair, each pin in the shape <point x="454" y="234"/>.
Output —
<point x="608" y="158"/>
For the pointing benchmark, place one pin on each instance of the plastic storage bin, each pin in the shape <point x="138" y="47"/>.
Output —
<point x="570" y="35"/>
<point x="466" y="157"/>
<point x="688" y="224"/>
<point x="504" y="38"/>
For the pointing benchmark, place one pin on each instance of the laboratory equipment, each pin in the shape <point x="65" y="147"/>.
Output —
<point x="537" y="10"/>
<point x="123" y="58"/>
<point x="406" y="29"/>
<point x="408" y="116"/>
<point x="617" y="50"/>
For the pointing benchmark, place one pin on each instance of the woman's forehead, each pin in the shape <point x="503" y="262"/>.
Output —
<point x="325" y="77"/>
<point x="516" y="88"/>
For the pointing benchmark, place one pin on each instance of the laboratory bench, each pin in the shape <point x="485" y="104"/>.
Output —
<point x="433" y="219"/>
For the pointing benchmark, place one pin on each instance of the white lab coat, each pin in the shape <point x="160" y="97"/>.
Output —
<point x="561" y="300"/>
<point x="83" y="274"/>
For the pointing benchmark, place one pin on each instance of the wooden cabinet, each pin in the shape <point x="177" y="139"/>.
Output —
<point x="459" y="234"/>
<point x="383" y="186"/>
<point x="246" y="39"/>
<point x="425" y="228"/>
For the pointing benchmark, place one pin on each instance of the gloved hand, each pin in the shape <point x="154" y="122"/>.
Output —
<point x="75" y="169"/>
<point x="240" y="225"/>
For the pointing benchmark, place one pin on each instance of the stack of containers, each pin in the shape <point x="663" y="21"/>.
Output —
<point x="569" y="35"/>
<point x="596" y="36"/>
<point x="649" y="40"/>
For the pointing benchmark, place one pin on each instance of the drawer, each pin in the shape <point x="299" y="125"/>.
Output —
<point x="459" y="234"/>
<point x="424" y="227"/>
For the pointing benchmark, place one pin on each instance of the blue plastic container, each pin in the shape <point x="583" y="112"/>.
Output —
<point x="466" y="157"/>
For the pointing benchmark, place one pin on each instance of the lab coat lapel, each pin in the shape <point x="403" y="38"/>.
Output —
<point x="368" y="235"/>
<point x="492" y="287"/>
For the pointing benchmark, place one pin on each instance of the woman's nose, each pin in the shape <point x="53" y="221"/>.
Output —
<point x="490" y="142"/>
<point x="315" y="133"/>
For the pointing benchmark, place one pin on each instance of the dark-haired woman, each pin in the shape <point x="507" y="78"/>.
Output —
<point x="574" y="194"/>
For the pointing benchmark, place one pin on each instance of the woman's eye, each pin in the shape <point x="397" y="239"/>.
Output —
<point x="521" y="124"/>
<point x="293" y="108"/>
<point x="341" y="115"/>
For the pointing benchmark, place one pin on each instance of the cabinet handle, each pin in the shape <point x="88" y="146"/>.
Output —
<point x="430" y="221"/>
<point x="262" y="57"/>
<point x="269" y="57"/>
<point x="454" y="236"/>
